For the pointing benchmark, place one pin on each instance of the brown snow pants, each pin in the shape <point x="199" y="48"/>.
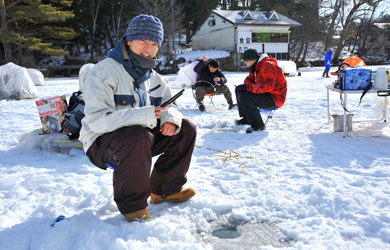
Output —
<point x="131" y="149"/>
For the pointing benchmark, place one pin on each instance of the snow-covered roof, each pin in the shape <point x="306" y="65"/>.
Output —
<point x="382" y="25"/>
<point x="256" y="17"/>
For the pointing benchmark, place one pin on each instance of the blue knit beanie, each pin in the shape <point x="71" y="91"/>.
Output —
<point x="145" y="27"/>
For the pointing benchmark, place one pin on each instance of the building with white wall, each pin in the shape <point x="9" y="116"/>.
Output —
<point x="237" y="31"/>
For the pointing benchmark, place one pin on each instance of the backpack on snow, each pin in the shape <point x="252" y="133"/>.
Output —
<point x="71" y="124"/>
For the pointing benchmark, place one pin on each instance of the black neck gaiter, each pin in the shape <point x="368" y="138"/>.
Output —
<point x="141" y="61"/>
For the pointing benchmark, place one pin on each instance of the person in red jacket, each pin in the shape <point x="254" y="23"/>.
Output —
<point x="264" y="88"/>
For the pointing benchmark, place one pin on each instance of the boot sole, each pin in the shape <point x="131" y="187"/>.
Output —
<point x="142" y="219"/>
<point x="138" y="216"/>
<point x="159" y="201"/>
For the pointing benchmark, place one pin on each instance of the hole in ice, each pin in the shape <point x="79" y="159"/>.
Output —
<point x="226" y="233"/>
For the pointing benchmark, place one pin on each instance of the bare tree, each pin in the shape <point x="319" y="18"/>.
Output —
<point x="223" y="4"/>
<point x="114" y="21"/>
<point x="171" y="15"/>
<point x="347" y="15"/>
<point x="309" y="32"/>
<point x="364" y="32"/>
<point x="175" y="25"/>
<point x="331" y="12"/>
<point x="95" y="11"/>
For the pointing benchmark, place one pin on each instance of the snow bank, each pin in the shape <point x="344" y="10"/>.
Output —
<point x="316" y="189"/>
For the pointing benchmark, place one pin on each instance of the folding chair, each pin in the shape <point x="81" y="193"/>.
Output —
<point x="269" y="113"/>
<point x="210" y="95"/>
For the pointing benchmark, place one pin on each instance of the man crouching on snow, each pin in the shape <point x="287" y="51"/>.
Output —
<point x="124" y="126"/>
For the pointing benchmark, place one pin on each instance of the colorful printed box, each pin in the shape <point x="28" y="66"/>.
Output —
<point x="51" y="112"/>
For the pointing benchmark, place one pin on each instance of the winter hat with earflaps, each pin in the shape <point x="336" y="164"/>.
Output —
<point x="145" y="27"/>
<point x="250" y="54"/>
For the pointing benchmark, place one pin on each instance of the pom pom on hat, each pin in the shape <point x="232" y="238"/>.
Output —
<point x="145" y="27"/>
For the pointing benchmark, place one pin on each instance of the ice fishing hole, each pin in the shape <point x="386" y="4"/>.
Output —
<point x="226" y="233"/>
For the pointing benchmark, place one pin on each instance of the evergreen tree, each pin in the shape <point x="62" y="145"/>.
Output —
<point x="117" y="14"/>
<point x="32" y="25"/>
<point x="101" y="24"/>
<point x="305" y="12"/>
<point x="195" y="13"/>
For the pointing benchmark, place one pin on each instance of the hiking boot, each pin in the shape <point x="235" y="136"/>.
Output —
<point x="202" y="108"/>
<point x="139" y="215"/>
<point x="183" y="195"/>
<point x="242" y="121"/>
<point x="231" y="106"/>
<point x="252" y="129"/>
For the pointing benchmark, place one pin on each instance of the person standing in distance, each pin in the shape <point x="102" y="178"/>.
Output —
<point x="327" y="63"/>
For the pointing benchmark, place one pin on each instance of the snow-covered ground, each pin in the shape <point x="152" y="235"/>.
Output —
<point x="198" y="54"/>
<point x="299" y="179"/>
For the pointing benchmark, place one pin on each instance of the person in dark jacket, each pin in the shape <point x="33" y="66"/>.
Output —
<point x="327" y="63"/>
<point x="264" y="88"/>
<point x="210" y="79"/>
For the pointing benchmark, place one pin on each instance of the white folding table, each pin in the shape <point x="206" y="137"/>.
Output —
<point x="344" y="93"/>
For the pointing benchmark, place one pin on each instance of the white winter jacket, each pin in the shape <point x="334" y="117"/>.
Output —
<point x="111" y="102"/>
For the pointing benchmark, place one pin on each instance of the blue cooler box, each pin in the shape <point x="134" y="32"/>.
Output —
<point x="355" y="78"/>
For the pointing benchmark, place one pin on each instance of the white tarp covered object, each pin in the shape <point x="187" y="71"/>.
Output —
<point x="36" y="76"/>
<point x="186" y="75"/>
<point x="16" y="83"/>
<point x="289" y="68"/>
<point x="83" y="73"/>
